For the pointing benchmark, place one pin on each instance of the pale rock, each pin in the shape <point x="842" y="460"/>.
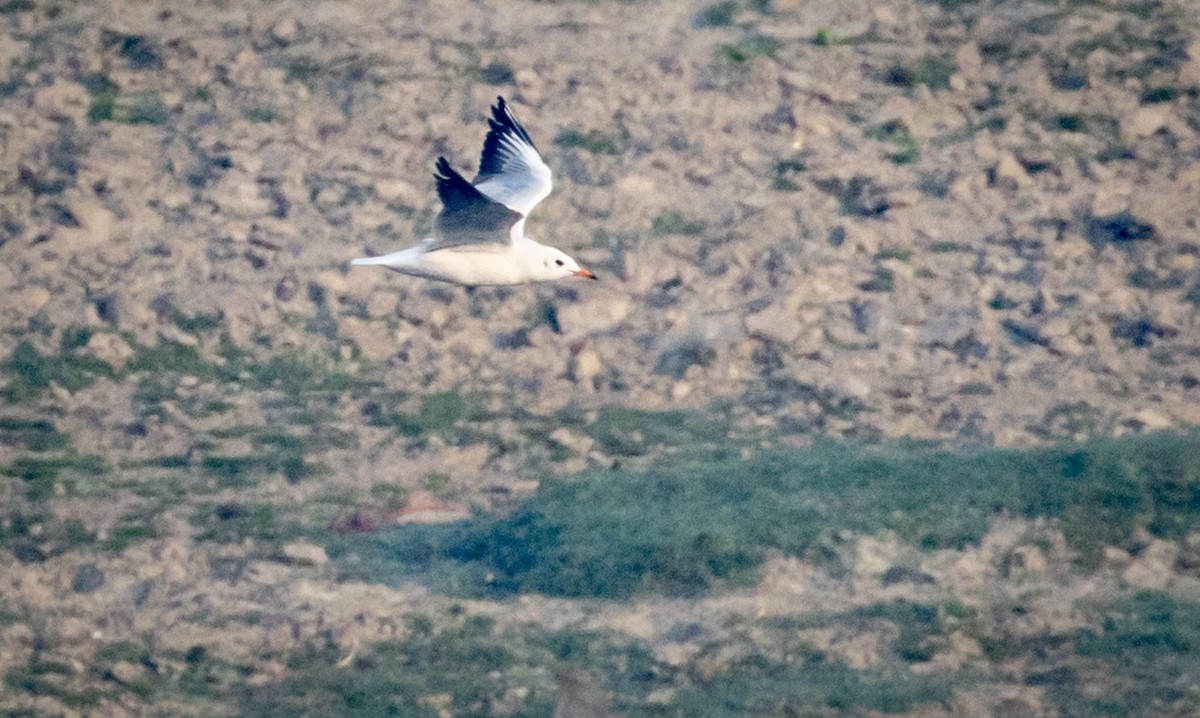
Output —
<point x="305" y="554"/>
<point x="874" y="555"/>
<point x="110" y="348"/>
<point x="1184" y="262"/>
<point x="62" y="100"/>
<point x="382" y="303"/>
<point x="595" y="316"/>
<point x="1145" y="121"/>
<point x="1028" y="560"/>
<point x="968" y="61"/>
<point x="586" y="367"/>
<point x="1113" y="558"/>
<point x="373" y="339"/>
<point x="426" y="508"/>
<point x="393" y="190"/>
<point x="96" y="227"/>
<point x="1153" y="568"/>
<point x="681" y="389"/>
<point x="1112" y="197"/>
<point x="966" y="188"/>
<point x="125" y="672"/>
<point x="580" y="444"/>
<point x="1189" y="70"/>
<point x="175" y="335"/>
<point x="775" y="323"/>
<point x="336" y="284"/>
<point x="284" y="31"/>
<point x="1010" y="172"/>
<point x="25" y="302"/>
<point x="1152" y="419"/>
<point x="239" y="195"/>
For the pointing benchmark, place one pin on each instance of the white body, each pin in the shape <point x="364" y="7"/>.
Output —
<point x="518" y="262"/>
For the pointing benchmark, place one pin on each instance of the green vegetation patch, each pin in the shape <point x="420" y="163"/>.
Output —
<point x="594" y="141"/>
<point x="759" y="686"/>
<point x="898" y="134"/>
<point x="688" y="524"/>
<point x="670" y="221"/>
<point x="719" y="14"/>
<point x="746" y="49"/>
<point x="234" y="522"/>
<point x="934" y="71"/>
<point x="42" y="473"/>
<point x="786" y="173"/>
<point x="32" y="434"/>
<point x="473" y="668"/>
<point x="1151" y="645"/>
<point x="31" y="372"/>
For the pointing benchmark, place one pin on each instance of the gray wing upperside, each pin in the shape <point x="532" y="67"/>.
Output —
<point x="468" y="216"/>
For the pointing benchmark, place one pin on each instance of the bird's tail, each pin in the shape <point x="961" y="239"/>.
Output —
<point x="384" y="259"/>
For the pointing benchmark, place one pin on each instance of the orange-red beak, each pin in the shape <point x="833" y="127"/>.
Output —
<point x="584" y="273"/>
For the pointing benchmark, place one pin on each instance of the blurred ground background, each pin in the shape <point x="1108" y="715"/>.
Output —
<point x="884" y="403"/>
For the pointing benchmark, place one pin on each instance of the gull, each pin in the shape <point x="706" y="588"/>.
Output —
<point x="479" y="236"/>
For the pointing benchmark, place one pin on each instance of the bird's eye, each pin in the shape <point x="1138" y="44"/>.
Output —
<point x="559" y="262"/>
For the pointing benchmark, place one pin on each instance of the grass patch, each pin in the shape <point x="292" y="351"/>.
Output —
<point x="32" y="434"/>
<point x="698" y="523"/>
<point x="746" y="49"/>
<point x="759" y="686"/>
<point x="619" y="431"/>
<point x="262" y="114"/>
<point x="882" y="280"/>
<point x="933" y="71"/>
<point x="31" y="372"/>
<point x="41" y="474"/>
<point x="594" y="141"/>
<point x="472" y="668"/>
<point x="234" y="522"/>
<point x="786" y="173"/>
<point x="670" y="221"/>
<point x="1151" y="643"/>
<point x="719" y="14"/>
<point x="897" y="133"/>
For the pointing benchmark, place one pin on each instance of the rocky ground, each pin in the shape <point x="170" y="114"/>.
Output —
<point x="959" y="222"/>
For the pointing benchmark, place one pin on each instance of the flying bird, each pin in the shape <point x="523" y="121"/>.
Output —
<point x="479" y="236"/>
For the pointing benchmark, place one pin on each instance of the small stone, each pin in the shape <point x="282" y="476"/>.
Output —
<point x="775" y="323"/>
<point x="27" y="302"/>
<point x="305" y="554"/>
<point x="1153" y="568"/>
<point x="110" y="348"/>
<point x="1011" y="172"/>
<point x="284" y="31"/>
<point x="579" y="443"/>
<point x="1028" y="560"/>
<point x="87" y="579"/>
<point x="126" y="672"/>
<point x="62" y="100"/>
<point x="586" y="367"/>
<point x="399" y="191"/>
<point x="1152" y="420"/>
<point x="1147" y="120"/>
<point x="968" y="61"/>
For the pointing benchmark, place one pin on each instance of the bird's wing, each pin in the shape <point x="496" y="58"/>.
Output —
<point x="511" y="171"/>
<point x="468" y="216"/>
